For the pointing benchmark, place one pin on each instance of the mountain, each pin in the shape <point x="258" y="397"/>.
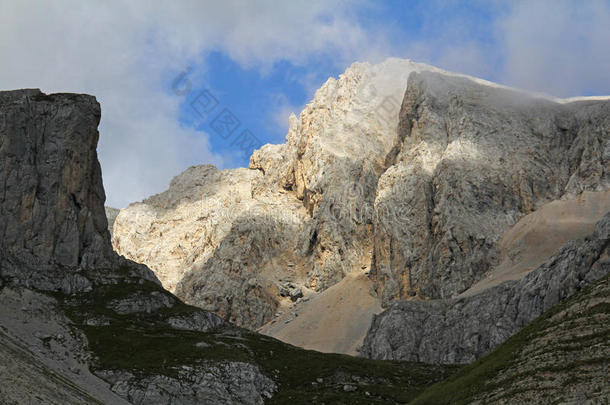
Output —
<point x="80" y="324"/>
<point x="249" y="233"/>
<point x="414" y="216"/>
<point x="397" y="182"/>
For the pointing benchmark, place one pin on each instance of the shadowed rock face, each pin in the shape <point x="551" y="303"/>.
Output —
<point x="51" y="193"/>
<point x="462" y="330"/>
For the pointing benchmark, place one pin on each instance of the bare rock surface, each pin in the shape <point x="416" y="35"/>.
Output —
<point x="407" y="170"/>
<point x="470" y="161"/>
<point x="215" y="243"/>
<point x="462" y="330"/>
<point x="111" y="214"/>
<point x="52" y="218"/>
<point x="216" y="383"/>
<point x="51" y="180"/>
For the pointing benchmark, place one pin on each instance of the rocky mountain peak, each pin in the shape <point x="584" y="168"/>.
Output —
<point x="398" y="177"/>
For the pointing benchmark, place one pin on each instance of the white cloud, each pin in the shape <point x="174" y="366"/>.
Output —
<point x="125" y="53"/>
<point x="557" y="46"/>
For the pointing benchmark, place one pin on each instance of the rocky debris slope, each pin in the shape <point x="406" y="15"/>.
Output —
<point x="20" y="365"/>
<point x="333" y="321"/>
<point x="536" y="236"/>
<point x="462" y="330"/>
<point x="90" y="326"/>
<point x="418" y="187"/>
<point x="561" y="357"/>
<point x="45" y="360"/>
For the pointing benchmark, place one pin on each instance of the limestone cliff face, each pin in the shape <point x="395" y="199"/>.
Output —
<point x="52" y="219"/>
<point x="303" y="213"/>
<point x="215" y="242"/>
<point x="398" y="168"/>
<point x="471" y="159"/>
<point x="334" y="155"/>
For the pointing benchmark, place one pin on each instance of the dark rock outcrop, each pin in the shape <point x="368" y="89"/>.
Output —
<point x="51" y="206"/>
<point x="52" y="219"/>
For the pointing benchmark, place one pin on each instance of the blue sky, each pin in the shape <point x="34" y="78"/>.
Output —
<point x="260" y="100"/>
<point x="262" y="59"/>
<point x="257" y="99"/>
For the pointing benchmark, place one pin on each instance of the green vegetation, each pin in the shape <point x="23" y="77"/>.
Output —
<point x="144" y="344"/>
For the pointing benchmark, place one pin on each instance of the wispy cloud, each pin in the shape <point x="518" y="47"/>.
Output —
<point x="560" y="47"/>
<point x="125" y="53"/>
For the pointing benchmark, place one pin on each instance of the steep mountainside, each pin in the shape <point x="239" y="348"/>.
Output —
<point x="471" y="160"/>
<point x="413" y="177"/>
<point x="79" y="324"/>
